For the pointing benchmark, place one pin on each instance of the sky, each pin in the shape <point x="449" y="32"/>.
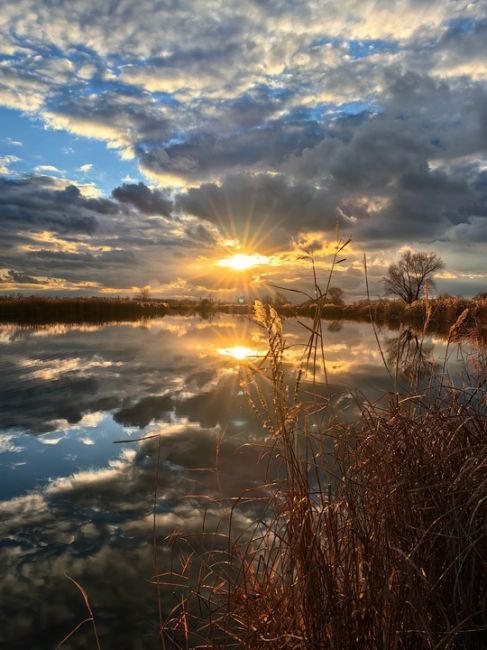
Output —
<point x="148" y="143"/>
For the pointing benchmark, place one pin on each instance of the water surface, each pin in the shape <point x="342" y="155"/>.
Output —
<point x="75" y="500"/>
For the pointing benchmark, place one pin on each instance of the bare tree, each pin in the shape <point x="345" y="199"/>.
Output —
<point x="143" y="293"/>
<point x="407" y="279"/>
<point x="335" y="296"/>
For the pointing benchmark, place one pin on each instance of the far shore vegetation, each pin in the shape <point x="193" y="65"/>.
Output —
<point x="438" y="313"/>
<point x="409" y="283"/>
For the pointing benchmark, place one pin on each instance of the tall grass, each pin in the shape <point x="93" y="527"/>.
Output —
<point x="444" y="312"/>
<point x="369" y="535"/>
<point x="394" y="555"/>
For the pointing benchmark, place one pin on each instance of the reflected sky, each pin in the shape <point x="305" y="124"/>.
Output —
<point x="76" y="494"/>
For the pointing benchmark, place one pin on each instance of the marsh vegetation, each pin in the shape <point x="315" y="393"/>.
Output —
<point x="371" y="533"/>
<point x="367" y="533"/>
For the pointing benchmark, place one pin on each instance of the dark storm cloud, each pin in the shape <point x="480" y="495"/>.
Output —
<point x="450" y="113"/>
<point x="423" y="206"/>
<point x="376" y="182"/>
<point x="74" y="267"/>
<point x="379" y="171"/>
<point x="208" y="154"/>
<point x="372" y="172"/>
<point x="38" y="203"/>
<point x="473" y="231"/>
<point x="378" y="151"/>
<point x="50" y="230"/>
<point x="266" y="206"/>
<point x="421" y="119"/>
<point x="151" y="202"/>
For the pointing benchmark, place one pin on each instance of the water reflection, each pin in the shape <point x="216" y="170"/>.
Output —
<point x="73" y="501"/>
<point x="241" y="352"/>
<point x="411" y="354"/>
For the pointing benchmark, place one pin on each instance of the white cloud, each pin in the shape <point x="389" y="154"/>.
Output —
<point x="9" y="443"/>
<point x="14" y="143"/>
<point x="5" y="162"/>
<point x="41" y="169"/>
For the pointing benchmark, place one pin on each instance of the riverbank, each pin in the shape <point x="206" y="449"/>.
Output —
<point x="438" y="314"/>
<point x="45" y="310"/>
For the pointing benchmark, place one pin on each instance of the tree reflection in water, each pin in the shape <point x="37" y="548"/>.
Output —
<point x="411" y="355"/>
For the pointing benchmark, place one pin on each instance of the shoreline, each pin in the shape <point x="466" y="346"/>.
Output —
<point x="436" y="314"/>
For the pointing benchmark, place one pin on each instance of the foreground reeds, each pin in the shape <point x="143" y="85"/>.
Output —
<point x="370" y="534"/>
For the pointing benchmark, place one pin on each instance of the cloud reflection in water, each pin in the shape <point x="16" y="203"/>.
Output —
<point x="72" y="501"/>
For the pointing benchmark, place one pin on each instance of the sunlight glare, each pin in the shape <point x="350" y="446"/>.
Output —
<point x="242" y="262"/>
<point x="239" y="352"/>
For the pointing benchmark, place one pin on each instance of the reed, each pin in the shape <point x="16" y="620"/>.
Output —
<point x="370" y="534"/>
<point x="394" y="313"/>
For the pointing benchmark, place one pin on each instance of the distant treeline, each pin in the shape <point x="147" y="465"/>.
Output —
<point x="42" y="310"/>
<point x="440" y="313"/>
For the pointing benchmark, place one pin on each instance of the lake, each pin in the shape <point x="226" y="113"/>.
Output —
<point x="77" y="490"/>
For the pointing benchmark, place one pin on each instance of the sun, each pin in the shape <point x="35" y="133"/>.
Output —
<point x="242" y="262"/>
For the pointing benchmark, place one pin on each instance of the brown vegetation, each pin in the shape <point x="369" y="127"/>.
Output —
<point x="371" y="535"/>
<point x="42" y="310"/>
<point x="368" y="534"/>
<point x="441" y="313"/>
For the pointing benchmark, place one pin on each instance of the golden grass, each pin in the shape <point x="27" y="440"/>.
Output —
<point x="370" y="535"/>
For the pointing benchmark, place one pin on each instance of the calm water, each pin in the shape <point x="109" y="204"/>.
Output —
<point x="73" y="501"/>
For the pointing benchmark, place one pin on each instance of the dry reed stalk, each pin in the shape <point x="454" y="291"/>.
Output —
<point x="393" y="558"/>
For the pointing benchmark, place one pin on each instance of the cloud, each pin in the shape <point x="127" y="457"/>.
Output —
<point x="267" y="208"/>
<point x="63" y="240"/>
<point x="369" y="113"/>
<point x="207" y="154"/>
<point x="120" y="118"/>
<point x="14" y="143"/>
<point x="17" y="277"/>
<point x="19" y="90"/>
<point x="5" y="162"/>
<point x="87" y="167"/>
<point x="474" y="231"/>
<point x="40" y="169"/>
<point x="461" y="49"/>
<point x="147" y="201"/>
<point x="38" y="202"/>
